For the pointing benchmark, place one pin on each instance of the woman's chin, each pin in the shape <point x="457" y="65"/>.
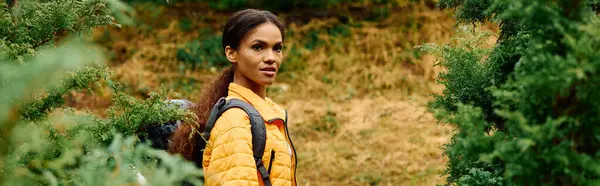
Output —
<point x="267" y="82"/>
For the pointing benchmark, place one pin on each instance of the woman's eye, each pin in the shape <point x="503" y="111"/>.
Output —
<point x="278" y="49"/>
<point x="257" y="47"/>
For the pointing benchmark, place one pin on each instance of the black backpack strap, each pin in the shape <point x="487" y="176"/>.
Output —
<point x="257" y="128"/>
<point x="215" y="113"/>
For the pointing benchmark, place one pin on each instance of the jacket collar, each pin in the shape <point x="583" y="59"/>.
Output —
<point x="266" y="107"/>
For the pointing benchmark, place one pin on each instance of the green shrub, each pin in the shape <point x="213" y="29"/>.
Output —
<point x="379" y="13"/>
<point x="228" y="4"/>
<point x="78" y="148"/>
<point x="203" y="53"/>
<point x="293" y="61"/>
<point x="32" y="24"/>
<point x="527" y="111"/>
<point x="381" y="8"/>
<point x="312" y="40"/>
<point x="340" y="30"/>
<point x="43" y="142"/>
<point x="38" y="109"/>
<point x="274" y="5"/>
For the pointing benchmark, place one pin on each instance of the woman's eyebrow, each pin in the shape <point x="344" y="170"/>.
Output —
<point x="257" y="40"/>
<point x="264" y="42"/>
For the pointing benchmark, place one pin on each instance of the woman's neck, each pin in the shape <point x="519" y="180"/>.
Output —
<point x="258" y="89"/>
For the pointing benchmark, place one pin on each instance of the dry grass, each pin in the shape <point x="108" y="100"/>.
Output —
<point x="378" y="56"/>
<point x="380" y="141"/>
<point x="357" y="109"/>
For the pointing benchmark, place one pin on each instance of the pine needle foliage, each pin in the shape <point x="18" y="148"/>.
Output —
<point x="45" y="142"/>
<point x="526" y="111"/>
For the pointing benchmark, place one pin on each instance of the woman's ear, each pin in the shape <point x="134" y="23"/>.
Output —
<point x="231" y="54"/>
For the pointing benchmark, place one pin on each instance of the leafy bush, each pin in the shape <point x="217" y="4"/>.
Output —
<point x="72" y="148"/>
<point x="32" y="24"/>
<point x="44" y="142"/>
<point x="293" y="60"/>
<point x="287" y="5"/>
<point x="296" y="4"/>
<point x="38" y="109"/>
<point x="203" y="53"/>
<point x="379" y="13"/>
<point x="263" y="4"/>
<point x="526" y="111"/>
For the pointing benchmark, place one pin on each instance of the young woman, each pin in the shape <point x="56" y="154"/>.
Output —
<point x="252" y="41"/>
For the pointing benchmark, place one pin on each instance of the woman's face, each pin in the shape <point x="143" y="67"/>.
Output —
<point x="259" y="54"/>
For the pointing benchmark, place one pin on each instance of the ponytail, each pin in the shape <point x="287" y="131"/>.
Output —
<point x="182" y="141"/>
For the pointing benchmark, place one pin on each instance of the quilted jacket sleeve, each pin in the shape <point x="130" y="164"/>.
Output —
<point x="228" y="158"/>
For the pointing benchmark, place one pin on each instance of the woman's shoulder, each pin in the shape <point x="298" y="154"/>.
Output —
<point x="266" y="106"/>
<point x="234" y="116"/>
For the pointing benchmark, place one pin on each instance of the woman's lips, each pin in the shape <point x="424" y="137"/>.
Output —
<point x="268" y="71"/>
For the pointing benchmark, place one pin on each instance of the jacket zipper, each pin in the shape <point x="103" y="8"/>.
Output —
<point x="271" y="161"/>
<point x="287" y="132"/>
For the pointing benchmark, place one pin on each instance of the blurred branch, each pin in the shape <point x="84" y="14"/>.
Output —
<point x="42" y="43"/>
<point x="5" y="132"/>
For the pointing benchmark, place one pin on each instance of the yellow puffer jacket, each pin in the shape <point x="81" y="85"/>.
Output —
<point x="228" y="158"/>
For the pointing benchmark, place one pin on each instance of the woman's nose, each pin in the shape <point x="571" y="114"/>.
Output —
<point x="270" y="57"/>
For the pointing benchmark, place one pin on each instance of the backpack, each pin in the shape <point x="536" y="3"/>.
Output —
<point x="159" y="135"/>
